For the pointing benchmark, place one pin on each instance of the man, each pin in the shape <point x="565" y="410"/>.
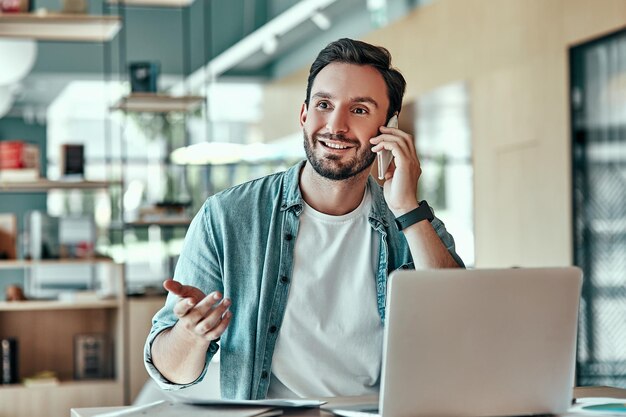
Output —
<point x="288" y="272"/>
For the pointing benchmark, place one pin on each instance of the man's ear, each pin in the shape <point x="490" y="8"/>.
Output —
<point x="303" y="112"/>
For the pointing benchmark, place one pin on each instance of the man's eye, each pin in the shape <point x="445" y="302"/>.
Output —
<point x="360" y="110"/>
<point x="323" y="105"/>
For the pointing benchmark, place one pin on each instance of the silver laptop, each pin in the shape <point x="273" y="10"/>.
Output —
<point x="498" y="342"/>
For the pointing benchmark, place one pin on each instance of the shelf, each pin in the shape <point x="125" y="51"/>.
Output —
<point x="93" y="383"/>
<point x="57" y="305"/>
<point x="59" y="27"/>
<point x="156" y="3"/>
<point x="46" y="185"/>
<point x="57" y="400"/>
<point x="22" y="263"/>
<point x="162" y="223"/>
<point x="158" y="103"/>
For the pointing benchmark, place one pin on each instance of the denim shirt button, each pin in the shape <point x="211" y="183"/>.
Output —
<point x="273" y="329"/>
<point x="404" y="267"/>
<point x="264" y="375"/>
<point x="288" y="236"/>
<point x="284" y="279"/>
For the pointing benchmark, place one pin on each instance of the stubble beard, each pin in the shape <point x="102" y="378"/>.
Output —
<point x="331" y="166"/>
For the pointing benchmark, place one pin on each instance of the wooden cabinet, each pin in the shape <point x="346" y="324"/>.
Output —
<point x="46" y="331"/>
<point x="140" y="313"/>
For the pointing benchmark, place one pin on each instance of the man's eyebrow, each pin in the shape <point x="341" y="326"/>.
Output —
<point x="364" y="100"/>
<point x="321" y="94"/>
<point x="370" y="100"/>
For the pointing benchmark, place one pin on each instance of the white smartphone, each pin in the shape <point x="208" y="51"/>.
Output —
<point x="384" y="157"/>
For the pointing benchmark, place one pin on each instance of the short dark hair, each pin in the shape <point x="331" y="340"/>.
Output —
<point x="350" y="51"/>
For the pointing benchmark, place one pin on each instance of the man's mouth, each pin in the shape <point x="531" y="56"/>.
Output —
<point x="335" y="145"/>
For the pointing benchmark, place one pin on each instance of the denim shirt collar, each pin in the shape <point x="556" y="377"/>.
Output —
<point x="292" y="197"/>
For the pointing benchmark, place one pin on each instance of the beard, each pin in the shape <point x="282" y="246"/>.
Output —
<point x="331" y="166"/>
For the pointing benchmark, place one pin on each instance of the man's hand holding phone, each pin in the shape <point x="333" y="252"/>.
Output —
<point x="401" y="177"/>
<point x="201" y="316"/>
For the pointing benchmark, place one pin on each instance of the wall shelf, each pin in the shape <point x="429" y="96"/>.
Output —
<point x="154" y="3"/>
<point x="158" y="103"/>
<point x="46" y="335"/>
<point x="67" y="394"/>
<point x="59" y="27"/>
<point x="43" y="184"/>
<point x="57" y="305"/>
<point x="162" y="223"/>
<point x="24" y="263"/>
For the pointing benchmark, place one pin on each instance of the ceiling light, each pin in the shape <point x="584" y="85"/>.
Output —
<point x="208" y="153"/>
<point x="20" y="57"/>
<point x="270" y="45"/>
<point x="375" y="5"/>
<point x="321" y="20"/>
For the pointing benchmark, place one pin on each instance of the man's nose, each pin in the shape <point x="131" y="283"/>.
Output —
<point x="337" y="122"/>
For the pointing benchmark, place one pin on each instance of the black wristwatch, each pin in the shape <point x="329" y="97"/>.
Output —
<point x="422" y="212"/>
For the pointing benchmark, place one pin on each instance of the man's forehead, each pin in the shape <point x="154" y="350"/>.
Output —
<point x="351" y="82"/>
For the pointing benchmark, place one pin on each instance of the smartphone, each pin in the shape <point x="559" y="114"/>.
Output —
<point x="384" y="157"/>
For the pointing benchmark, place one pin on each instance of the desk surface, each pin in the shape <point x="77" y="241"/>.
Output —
<point x="295" y="412"/>
<point x="580" y="392"/>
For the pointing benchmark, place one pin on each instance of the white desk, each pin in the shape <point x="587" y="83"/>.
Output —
<point x="582" y="392"/>
<point x="296" y="412"/>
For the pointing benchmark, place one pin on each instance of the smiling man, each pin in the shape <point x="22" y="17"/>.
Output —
<point x="287" y="274"/>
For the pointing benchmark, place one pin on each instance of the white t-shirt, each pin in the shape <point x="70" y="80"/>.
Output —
<point x="330" y="341"/>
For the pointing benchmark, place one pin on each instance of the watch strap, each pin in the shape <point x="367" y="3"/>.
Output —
<point x="422" y="212"/>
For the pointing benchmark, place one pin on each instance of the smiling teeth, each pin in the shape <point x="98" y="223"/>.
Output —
<point x="334" y="146"/>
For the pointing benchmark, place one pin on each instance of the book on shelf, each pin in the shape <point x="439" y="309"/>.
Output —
<point x="19" y="161"/>
<point x="41" y="379"/>
<point x="8" y="236"/>
<point x="92" y="358"/>
<point x="16" y="154"/>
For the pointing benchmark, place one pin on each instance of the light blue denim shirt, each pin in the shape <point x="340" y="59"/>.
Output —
<point x="241" y="243"/>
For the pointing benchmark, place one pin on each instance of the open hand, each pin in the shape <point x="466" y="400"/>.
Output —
<point x="201" y="316"/>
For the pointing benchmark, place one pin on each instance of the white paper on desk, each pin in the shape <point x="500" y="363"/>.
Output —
<point x="285" y="403"/>
<point x="579" y="410"/>
<point x="170" y="408"/>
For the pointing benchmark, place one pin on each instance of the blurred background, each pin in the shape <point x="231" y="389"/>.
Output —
<point x="119" y="118"/>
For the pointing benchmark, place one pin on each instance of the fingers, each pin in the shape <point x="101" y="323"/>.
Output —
<point x="218" y="330"/>
<point x="397" y="146"/>
<point x="183" y="306"/>
<point x="397" y="133"/>
<point x="207" y="319"/>
<point x="398" y="142"/>
<point x="401" y="146"/>
<point x="183" y="291"/>
<point x="172" y="286"/>
<point x="214" y="318"/>
<point x="405" y="142"/>
<point x="390" y="171"/>
<point x="211" y="307"/>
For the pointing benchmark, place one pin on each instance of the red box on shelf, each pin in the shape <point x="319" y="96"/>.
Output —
<point x="16" y="154"/>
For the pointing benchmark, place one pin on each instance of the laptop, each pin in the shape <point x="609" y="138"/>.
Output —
<point x="491" y="342"/>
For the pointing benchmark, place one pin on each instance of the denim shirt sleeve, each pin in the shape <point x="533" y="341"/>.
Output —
<point x="199" y="266"/>
<point x="447" y="240"/>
